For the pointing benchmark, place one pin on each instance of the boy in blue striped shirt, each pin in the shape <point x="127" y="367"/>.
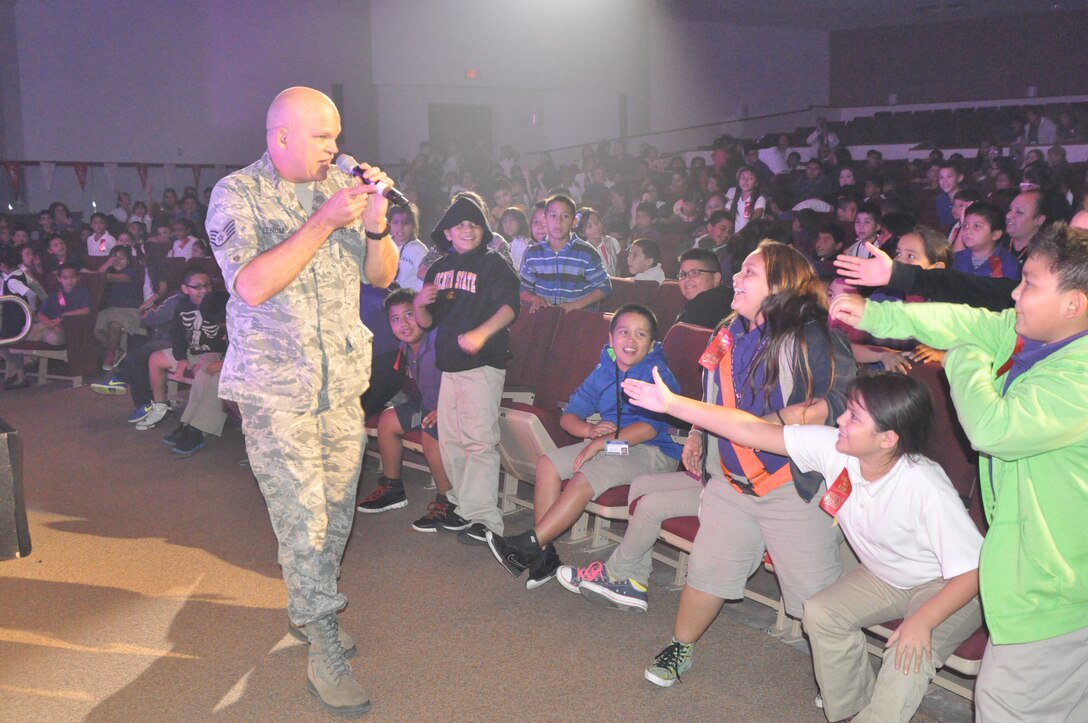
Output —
<point x="562" y="270"/>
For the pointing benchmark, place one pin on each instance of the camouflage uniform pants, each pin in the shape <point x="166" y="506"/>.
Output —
<point x="307" y="465"/>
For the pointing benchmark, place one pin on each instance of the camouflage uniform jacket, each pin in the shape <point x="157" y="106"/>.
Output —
<point x="304" y="349"/>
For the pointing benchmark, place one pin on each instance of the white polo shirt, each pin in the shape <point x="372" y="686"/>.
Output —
<point x="100" y="246"/>
<point x="909" y="526"/>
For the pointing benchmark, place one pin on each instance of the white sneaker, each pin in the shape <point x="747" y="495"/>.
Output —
<point x="158" y="411"/>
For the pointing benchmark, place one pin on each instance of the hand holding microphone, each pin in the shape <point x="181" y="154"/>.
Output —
<point x="384" y="186"/>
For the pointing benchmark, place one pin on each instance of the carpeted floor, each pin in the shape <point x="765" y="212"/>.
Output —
<point x="152" y="593"/>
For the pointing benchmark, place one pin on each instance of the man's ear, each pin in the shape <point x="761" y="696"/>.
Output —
<point x="281" y="137"/>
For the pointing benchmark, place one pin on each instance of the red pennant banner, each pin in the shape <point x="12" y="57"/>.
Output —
<point x="81" y="174"/>
<point x="196" y="177"/>
<point x="13" y="170"/>
<point x="141" y="171"/>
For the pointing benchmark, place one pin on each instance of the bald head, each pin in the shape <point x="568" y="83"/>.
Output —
<point x="301" y="127"/>
<point x="293" y="103"/>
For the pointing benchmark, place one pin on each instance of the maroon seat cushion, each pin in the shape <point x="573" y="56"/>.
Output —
<point x="683" y="527"/>
<point x="614" y="497"/>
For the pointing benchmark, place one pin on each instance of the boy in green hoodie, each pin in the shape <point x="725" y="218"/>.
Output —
<point x="1019" y="380"/>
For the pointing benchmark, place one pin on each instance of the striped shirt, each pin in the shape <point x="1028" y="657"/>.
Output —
<point x="573" y="273"/>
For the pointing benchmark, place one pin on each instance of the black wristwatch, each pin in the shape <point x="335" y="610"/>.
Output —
<point x="378" y="236"/>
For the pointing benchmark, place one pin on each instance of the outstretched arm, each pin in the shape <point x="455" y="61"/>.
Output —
<point x="733" y="424"/>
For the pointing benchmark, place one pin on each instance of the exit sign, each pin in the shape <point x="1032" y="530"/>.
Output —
<point x="470" y="73"/>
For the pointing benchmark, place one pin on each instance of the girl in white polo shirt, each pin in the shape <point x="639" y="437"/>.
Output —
<point x="918" y="547"/>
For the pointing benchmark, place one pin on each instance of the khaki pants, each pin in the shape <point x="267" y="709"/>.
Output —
<point x="1043" y="682"/>
<point x="468" y="435"/>
<point x="664" y="496"/>
<point x="205" y="410"/>
<point x="834" y="619"/>
<point x="307" y="465"/>
<point x="735" y="529"/>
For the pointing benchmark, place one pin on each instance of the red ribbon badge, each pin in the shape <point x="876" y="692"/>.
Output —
<point x="837" y="493"/>
<point x="717" y="348"/>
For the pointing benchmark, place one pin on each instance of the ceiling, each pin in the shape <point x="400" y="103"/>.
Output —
<point x="847" y="14"/>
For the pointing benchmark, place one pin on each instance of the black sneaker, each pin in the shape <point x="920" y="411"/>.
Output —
<point x="386" y="497"/>
<point x="454" y="522"/>
<point x="543" y="568"/>
<point x="474" y="534"/>
<point x="173" y="438"/>
<point x="189" y="442"/>
<point x="437" y="513"/>
<point x="517" y="552"/>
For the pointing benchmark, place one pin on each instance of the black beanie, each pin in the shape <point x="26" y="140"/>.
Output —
<point x="463" y="209"/>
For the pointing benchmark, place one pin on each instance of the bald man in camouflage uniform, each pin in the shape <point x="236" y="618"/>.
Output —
<point x="295" y="237"/>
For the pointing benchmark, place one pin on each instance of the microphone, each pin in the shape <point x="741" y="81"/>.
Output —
<point x="350" y="166"/>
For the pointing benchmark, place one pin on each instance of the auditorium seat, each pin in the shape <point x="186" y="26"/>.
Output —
<point x="530" y="333"/>
<point x="628" y="291"/>
<point x="529" y="430"/>
<point x="666" y="303"/>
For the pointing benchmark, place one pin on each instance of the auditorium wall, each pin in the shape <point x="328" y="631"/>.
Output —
<point x="158" y="82"/>
<point x="988" y="59"/>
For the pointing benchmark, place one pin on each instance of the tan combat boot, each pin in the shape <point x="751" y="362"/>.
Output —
<point x="346" y="641"/>
<point x="329" y="675"/>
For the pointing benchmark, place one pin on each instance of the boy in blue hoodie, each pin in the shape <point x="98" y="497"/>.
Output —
<point x="625" y="443"/>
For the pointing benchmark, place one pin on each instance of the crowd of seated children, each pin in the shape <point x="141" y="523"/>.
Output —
<point x="71" y="299"/>
<point x="1017" y="382"/>
<point x="120" y="313"/>
<point x="414" y="407"/>
<point x="403" y="228"/>
<point x="198" y="341"/>
<point x="706" y="299"/>
<point x="469" y="298"/>
<point x="644" y="260"/>
<point x="919" y="550"/>
<point x="626" y="442"/>
<point x="562" y="270"/>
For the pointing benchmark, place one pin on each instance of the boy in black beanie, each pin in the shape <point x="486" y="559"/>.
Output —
<point x="471" y="297"/>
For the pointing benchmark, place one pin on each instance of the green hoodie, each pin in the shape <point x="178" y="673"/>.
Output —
<point x="1033" y="463"/>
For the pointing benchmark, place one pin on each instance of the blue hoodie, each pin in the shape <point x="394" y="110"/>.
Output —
<point x="598" y="394"/>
